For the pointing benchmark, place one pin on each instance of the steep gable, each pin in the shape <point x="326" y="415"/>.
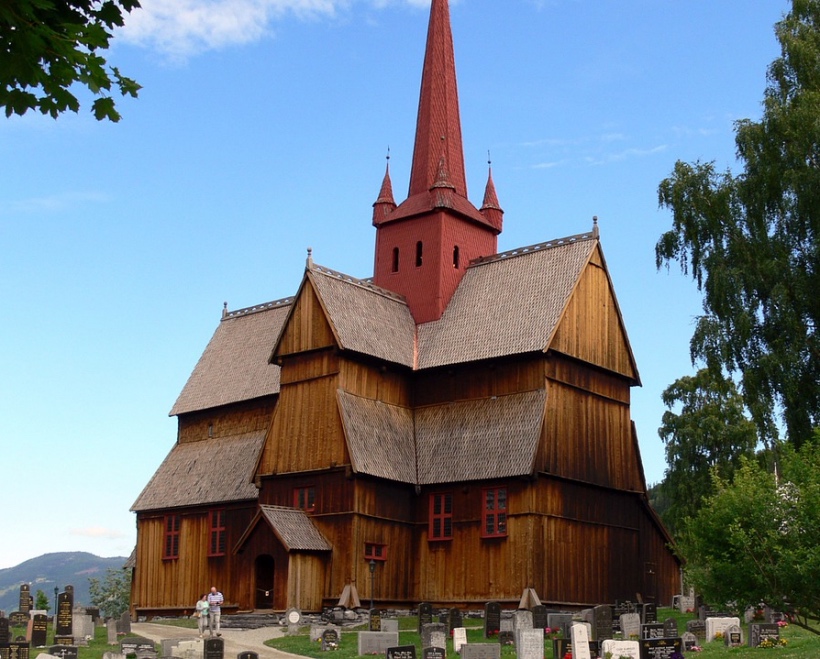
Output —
<point x="306" y="327"/>
<point x="592" y="328"/>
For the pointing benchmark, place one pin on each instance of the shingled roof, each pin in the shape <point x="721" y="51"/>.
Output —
<point x="234" y="366"/>
<point x="294" y="529"/>
<point x="453" y="442"/>
<point x="217" y="470"/>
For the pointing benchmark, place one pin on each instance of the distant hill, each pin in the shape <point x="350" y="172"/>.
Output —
<point x="49" y="570"/>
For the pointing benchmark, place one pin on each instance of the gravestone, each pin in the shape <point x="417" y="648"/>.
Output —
<point x="377" y="642"/>
<point x="529" y="644"/>
<point x="454" y="619"/>
<point x="733" y="636"/>
<point x="82" y="627"/>
<point x="670" y="628"/>
<point x="390" y="625"/>
<point x="622" y="648"/>
<point x="492" y="619"/>
<point x="698" y="628"/>
<point x="65" y="614"/>
<point x="136" y="645"/>
<point x="401" y="652"/>
<point x="425" y="615"/>
<point x="25" y="598"/>
<point x="688" y="640"/>
<point x="602" y="622"/>
<point x="705" y="612"/>
<point x="522" y="620"/>
<point x="631" y="626"/>
<point x="560" y="647"/>
<point x="124" y="623"/>
<point x="375" y="620"/>
<point x="18" y="619"/>
<point x="4" y="630"/>
<point x="562" y="621"/>
<point x="539" y="616"/>
<point x="686" y="603"/>
<point x="660" y="648"/>
<point x="434" y="634"/>
<point x="715" y="626"/>
<point x="39" y="630"/>
<point x="772" y="615"/>
<point x="459" y="638"/>
<point x="434" y="653"/>
<point x="111" y="628"/>
<point x="760" y="631"/>
<point x="112" y="655"/>
<point x="15" y="650"/>
<point x="330" y="639"/>
<point x="65" y="651"/>
<point x="506" y="637"/>
<point x="580" y="642"/>
<point x="480" y="651"/>
<point x="214" y="648"/>
<point x="247" y="655"/>
<point x="652" y="630"/>
<point x="650" y="613"/>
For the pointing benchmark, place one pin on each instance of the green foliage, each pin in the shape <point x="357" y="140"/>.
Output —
<point x="48" y="46"/>
<point x="758" y="538"/>
<point x="111" y="594"/>
<point x="752" y="242"/>
<point x="41" y="601"/>
<point x="709" y="432"/>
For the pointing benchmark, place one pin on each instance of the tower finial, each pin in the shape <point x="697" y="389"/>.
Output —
<point x="595" y="231"/>
<point x="309" y="263"/>
<point x="224" y="309"/>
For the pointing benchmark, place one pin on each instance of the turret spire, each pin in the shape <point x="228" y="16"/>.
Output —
<point x="385" y="204"/>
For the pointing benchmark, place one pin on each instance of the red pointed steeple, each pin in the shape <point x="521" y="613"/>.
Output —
<point x="385" y="204"/>
<point x="490" y="208"/>
<point x="424" y="245"/>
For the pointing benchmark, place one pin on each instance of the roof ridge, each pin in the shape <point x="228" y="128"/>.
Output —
<point x="265" y="306"/>
<point x="366" y="283"/>
<point x="537" y="247"/>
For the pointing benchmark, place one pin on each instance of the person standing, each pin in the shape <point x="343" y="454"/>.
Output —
<point x="202" y="607"/>
<point x="215" y="600"/>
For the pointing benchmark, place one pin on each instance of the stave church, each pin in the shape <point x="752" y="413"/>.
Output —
<point x="455" y="429"/>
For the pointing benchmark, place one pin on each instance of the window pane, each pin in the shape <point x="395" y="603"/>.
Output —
<point x="502" y="523"/>
<point x="448" y="503"/>
<point x="489" y="497"/>
<point x="502" y="498"/>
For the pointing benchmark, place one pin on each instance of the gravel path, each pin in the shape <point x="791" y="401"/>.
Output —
<point x="236" y="640"/>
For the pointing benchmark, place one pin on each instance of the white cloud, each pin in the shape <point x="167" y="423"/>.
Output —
<point x="97" y="532"/>
<point x="182" y="28"/>
<point x="57" y="202"/>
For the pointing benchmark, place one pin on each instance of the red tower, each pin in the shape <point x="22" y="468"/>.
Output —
<point x="424" y="244"/>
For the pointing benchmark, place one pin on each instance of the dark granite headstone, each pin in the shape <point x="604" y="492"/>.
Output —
<point x="670" y="628"/>
<point x="63" y="640"/>
<point x="652" y="630"/>
<point x="15" y="650"/>
<point x="602" y="622"/>
<point x="425" y="614"/>
<point x="65" y="614"/>
<point x="434" y="634"/>
<point x="330" y="640"/>
<point x="25" y="598"/>
<point x="771" y="615"/>
<point x="39" y="630"/>
<point x="650" y="613"/>
<point x="434" y="653"/>
<point x="492" y="619"/>
<point x="560" y="647"/>
<point x="247" y="655"/>
<point x="454" y="619"/>
<point x="375" y="620"/>
<point x="214" y="648"/>
<point x="137" y="644"/>
<point x="697" y="627"/>
<point x="94" y="612"/>
<point x="539" y="616"/>
<point x="124" y="623"/>
<point x="763" y="631"/>
<point x="64" y="651"/>
<point x="4" y="630"/>
<point x="733" y="636"/>
<point x="659" y="648"/>
<point x="562" y="621"/>
<point x="401" y="652"/>
<point x="18" y="619"/>
<point x="705" y="612"/>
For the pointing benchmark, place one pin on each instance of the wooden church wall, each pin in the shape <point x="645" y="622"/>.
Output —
<point x="385" y="382"/>
<point x="261" y="542"/>
<point x="307" y="327"/>
<point x="591" y="329"/>
<point x="178" y="582"/>
<point x="227" y="420"/>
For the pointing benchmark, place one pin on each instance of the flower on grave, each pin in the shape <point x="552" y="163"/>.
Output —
<point x="718" y="636"/>
<point x="696" y="648"/>
<point x="568" y="655"/>
<point x="782" y="623"/>
<point x="676" y="655"/>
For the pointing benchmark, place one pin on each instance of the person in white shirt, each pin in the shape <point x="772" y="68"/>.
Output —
<point x="215" y="600"/>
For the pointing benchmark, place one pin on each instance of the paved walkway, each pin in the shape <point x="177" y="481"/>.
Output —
<point x="236" y="640"/>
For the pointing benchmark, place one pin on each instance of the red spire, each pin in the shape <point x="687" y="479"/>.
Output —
<point x="438" y="127"/>
<point x="385" y="204"/>
<point x="490" y="208"/>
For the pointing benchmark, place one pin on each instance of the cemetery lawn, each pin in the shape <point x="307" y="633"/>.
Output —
<point x="799" y="642"/>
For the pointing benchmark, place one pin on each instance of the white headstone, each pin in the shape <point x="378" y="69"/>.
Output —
<point x="715" y="626"/>
<point x="459" y="638"/>
<point x="579" y="635"/>
<point x="631" y="626"/>
<point x="622" y="648"/>
<point x="529" y="644"/>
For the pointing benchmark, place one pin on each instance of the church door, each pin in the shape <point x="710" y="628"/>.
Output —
<point x="264" y="581"/>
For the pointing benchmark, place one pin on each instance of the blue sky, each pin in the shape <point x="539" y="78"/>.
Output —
<point x="261" y="131"/>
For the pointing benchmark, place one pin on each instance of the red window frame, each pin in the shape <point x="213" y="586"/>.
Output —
<point x="170" y="544"/>
<point x="441" y="516"/>
<point x="218" y="541"/>
<point x="494" y="512"/>
<point x="304" y="498"/>
<point x="375" y="551"/>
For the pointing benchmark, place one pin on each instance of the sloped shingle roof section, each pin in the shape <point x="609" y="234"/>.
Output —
<point x="509" y="304"/>
<point x="294" y="529"/>
<point x="367" y="319"/>
<point x="205" y="472"/>
<point x="234" y="366"/>
<point x="379" y="437"/>
<point x="479" y="439"/>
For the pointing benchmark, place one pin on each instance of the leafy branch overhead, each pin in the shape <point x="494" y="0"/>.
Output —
<point x="49" y="46"/>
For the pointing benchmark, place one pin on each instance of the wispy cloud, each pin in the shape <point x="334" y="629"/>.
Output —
<point x="57" y="202"/>
<point x="180" y="29"/>
<point x="97" y="532"/>
<point x="625" y="155"/>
